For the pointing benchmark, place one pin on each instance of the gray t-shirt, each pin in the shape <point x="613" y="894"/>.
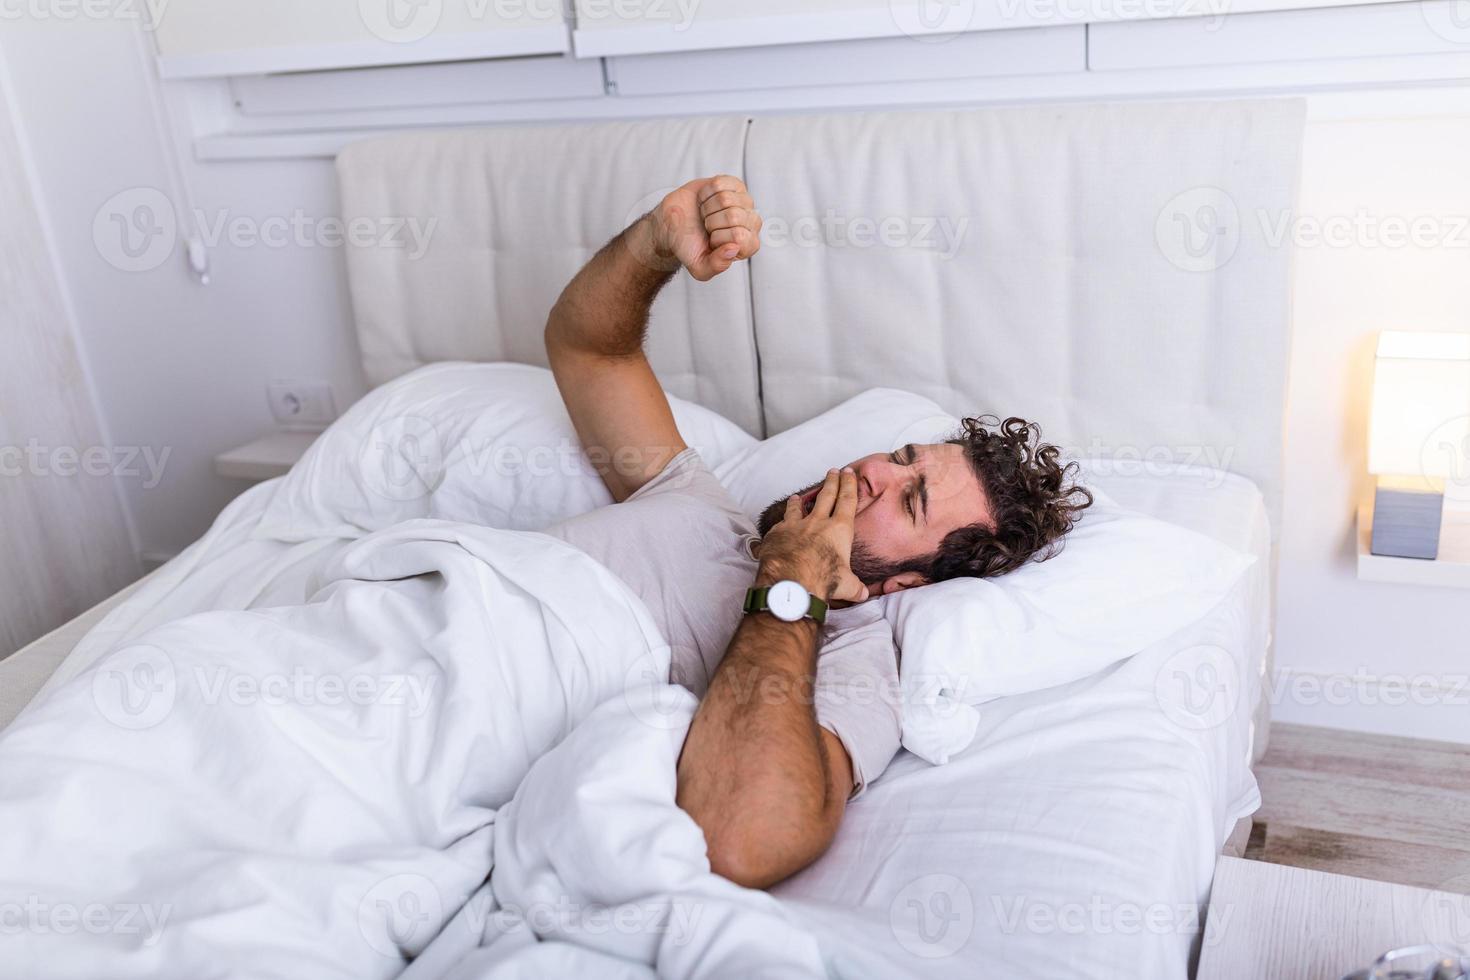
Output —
<point x="686" y="548"/>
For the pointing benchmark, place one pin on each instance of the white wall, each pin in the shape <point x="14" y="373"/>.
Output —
<point x="179" y="367"/>
<point x="185" y="367"/>
<point x="1369" y="172"/>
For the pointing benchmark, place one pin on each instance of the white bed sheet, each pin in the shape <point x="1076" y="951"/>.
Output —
<point x="1078" y="834"/>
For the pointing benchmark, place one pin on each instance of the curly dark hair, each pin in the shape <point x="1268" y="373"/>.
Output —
<point x="1034" y="501"/>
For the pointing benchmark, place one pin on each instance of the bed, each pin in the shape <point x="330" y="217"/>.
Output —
<point x="1077" y="835"/>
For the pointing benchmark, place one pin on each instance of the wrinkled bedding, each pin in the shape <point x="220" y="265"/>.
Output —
<point x="460" y="748"/>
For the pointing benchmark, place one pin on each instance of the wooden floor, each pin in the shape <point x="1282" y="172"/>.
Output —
<point x="1371" y="806"/>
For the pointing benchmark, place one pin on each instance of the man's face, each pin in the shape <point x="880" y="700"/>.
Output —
<point x="907" y="502"/>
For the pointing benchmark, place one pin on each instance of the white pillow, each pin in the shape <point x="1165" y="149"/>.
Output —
<point x="1122" y="582"/>
<point x="879" y="420"/>
<point x="483" y="443"/>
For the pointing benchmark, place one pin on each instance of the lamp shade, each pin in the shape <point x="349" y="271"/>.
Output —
<point x="1420" y="423"/>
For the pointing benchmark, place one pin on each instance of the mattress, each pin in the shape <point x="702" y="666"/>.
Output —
<point x="1076" y="836"/>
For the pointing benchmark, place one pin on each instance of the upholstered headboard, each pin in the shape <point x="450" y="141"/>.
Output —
<point x="1109" y="270"/>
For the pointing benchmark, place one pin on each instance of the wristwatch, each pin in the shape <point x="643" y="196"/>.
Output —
<point x="786" y="600"/>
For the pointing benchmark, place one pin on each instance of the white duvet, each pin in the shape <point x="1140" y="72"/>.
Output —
<point x="459" y="750"/>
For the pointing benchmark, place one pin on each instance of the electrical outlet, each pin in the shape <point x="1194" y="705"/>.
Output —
<point x="301" y="405"/>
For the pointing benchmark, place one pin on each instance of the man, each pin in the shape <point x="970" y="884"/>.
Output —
<point x="783" y="737"/>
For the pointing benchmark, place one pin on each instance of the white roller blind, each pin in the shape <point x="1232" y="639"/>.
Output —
<point x="198" y="38"/>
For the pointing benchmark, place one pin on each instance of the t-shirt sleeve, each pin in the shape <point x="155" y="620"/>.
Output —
<point x="687" y="474"/>
<point x="857" y="693"/>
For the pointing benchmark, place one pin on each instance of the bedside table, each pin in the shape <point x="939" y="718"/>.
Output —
<point x="265" y="458"/>
<point x="1269" y="921"/>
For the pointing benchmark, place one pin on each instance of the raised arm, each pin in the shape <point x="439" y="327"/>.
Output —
<point x="765" y="783"/>
<point x="594" y="336"/>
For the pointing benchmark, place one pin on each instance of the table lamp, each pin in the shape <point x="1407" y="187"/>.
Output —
<point x="1419" y="438"/>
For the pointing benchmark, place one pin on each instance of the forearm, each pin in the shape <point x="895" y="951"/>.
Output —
<point x="604" y="309"/>
<point x="755" y="772"/>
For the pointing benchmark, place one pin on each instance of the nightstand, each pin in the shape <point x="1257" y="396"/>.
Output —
<point x="1269" y="921"/>
<point x="1451" y="568"/>
<point x="265" y="458"/>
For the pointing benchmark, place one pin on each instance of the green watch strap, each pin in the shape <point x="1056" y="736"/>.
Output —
<point x="755" y="601"/>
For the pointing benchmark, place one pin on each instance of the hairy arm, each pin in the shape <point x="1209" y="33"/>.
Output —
<point x="595" y="333"/>
<point x="767" y="785"/>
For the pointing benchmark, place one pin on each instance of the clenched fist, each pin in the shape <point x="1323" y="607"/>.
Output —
<point x="706" y="226"/>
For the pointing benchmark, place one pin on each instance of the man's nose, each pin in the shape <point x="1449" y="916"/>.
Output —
<point x="873" y="476"/>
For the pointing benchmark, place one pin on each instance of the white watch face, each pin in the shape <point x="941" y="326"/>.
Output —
<point x="788" y="600"/>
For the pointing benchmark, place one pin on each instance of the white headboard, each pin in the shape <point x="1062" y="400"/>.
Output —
<point x="1107" y="270"/>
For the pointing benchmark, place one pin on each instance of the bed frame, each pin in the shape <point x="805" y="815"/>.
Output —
<point x="1106" y="269"/>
